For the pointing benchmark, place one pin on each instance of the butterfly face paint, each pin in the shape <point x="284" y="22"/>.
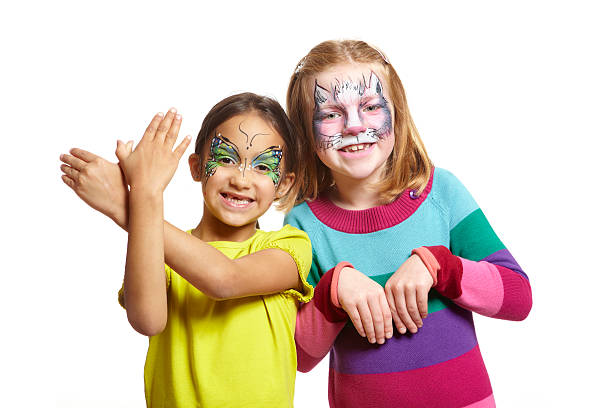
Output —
<point x="225" y="153"/>
<point x="351" y="114"/>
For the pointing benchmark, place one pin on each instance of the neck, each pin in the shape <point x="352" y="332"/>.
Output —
<point x="211" y="229"/>
<point x="353" y="194"/>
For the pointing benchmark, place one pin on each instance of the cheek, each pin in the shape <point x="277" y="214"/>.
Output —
<point x="380" y="118"/>
<point x="324" y="128"/>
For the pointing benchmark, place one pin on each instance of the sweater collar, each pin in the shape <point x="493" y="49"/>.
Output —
<point x="371" y="219"/>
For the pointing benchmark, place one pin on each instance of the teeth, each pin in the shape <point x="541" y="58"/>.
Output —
<point x="237" y="200"/>
<point x="354" y="148"/>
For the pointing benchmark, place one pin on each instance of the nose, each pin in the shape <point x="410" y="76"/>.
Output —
<point x="354" y="130"/>
<point x="241" y="178"/>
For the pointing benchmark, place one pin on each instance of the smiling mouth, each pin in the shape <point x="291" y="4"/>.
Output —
<point x="236" y="200"/>
<point x="356" y="147"/>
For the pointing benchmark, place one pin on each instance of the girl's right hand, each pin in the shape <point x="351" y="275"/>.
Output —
<point x="153" y="162"/>
<point x="365" y="302"/>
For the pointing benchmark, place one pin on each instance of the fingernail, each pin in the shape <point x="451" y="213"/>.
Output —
<point x="172" y="110"/>
<point x="381" y="341"/>
<point x="389" y="334"/>
<point x="160" y="114"/>
<point x="402" y="330"/>
<point x="188" y="137"/>
<point x="178" y="116"/>
<point x="372" y="340"/>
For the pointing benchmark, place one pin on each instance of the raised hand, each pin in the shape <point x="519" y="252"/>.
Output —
<point x="407" y="293"/>
<point x="98" y="182"/>
<point x="364" y="301"/>
<point x="153" y="162"/>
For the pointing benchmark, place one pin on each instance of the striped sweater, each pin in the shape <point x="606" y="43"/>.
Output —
<point x="440" y="365"/>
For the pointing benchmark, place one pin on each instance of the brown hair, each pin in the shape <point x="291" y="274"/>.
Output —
<point x="271" y="111"/>
<point x="408" y="167"/>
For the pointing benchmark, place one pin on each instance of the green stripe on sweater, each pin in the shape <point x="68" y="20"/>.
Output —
<point x="473" y="238"/>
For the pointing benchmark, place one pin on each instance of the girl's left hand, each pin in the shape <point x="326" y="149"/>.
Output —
<point x="407" y="294"/>
<point x="153" y="162"/>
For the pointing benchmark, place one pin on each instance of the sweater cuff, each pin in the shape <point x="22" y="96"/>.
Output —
<point x="450" y="272"/>
<point x="430" y="261"/>
<point x="334" y="283"/>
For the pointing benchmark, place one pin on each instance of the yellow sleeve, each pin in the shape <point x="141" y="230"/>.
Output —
<point x="120" y="295"/>
<point x="297" y="244"/>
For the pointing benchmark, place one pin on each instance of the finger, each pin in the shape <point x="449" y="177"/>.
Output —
<point x="180" y="149"/>
<point x="68" y="181"/>
<point x="149" y="133"/>
<point x="402" y="311"/>
<point x="411" y="306"/>
<point x="366" y="321"/>
<point x="70" y="172"/>
<point x="73" y="161"/>
<point x="83" y="154"/>
<point x="130" y="146"/>
<point x="164" y="126"/>
<point x="421" y="299"/>
<point x="386" y="315"/>
<point x="121" y="152"/>
<point x="377" y="320"/>
<point x="356" y="319"/>
<point x="174" y="130"/>
<point x="396" y="319"/>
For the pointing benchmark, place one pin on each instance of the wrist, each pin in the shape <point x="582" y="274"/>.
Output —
<point x="334" y="283"/>
<point x="430" y="262"/>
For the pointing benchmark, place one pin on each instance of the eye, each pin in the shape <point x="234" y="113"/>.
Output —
<point x="226" y="160"/>
<point x="262" y="168"/>
<point x="371" y="108"/>
<point x="331" y="115"/>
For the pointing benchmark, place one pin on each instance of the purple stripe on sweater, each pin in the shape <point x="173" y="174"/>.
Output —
<point x="446" y="334"/>
<point x="504" y="258"/>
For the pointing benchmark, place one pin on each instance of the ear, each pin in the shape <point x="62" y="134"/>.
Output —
<point x="375" y="86"/>
<point x="320" y="94"/>
<point x="284" y="185"/>
<point x="195" y="167"/>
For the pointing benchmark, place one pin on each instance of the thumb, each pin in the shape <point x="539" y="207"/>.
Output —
<point x="122" y="151"/>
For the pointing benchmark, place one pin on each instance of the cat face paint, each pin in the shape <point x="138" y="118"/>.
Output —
<point x="351" y="113"/>
<point x="225" y="153"/>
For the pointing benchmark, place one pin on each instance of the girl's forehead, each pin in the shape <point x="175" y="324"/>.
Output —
<point x="350" y="72"/>
<point x="249" y="132"/>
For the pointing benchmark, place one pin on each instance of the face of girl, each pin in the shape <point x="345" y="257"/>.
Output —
<point x="353" y="121"/>
<point x="242" y="170"/>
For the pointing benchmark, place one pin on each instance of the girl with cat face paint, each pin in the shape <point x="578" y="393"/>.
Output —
<point x="395" y="241"/>
<point x="218" y="302"/>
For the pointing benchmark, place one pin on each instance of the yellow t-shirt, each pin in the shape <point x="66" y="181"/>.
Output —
<point x="229" y="353"/>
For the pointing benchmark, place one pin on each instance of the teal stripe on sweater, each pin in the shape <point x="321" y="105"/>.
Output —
<point x="473" y="238"/>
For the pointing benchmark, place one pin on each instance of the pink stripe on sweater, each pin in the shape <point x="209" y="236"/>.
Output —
<point x="482" y="289"/>
<point x="517" y="296"/>
<point x="455" y="383"/>
<point x="314" y="336"/>
<point x="488" y="402"/>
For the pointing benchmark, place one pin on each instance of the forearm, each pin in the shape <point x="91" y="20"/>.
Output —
<point x="318" y="324"/>
<point x="145" y="281"/>
<point x="495" y="286"/>
<point x="202" y="265"/>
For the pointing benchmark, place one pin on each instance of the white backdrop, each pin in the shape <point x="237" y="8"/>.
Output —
<point x="513" y="97"/>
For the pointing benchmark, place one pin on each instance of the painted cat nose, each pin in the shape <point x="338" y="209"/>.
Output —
<point x="354" y="130"/>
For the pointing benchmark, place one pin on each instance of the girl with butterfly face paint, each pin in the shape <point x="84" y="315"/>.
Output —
<point x="221" y="311"/>
<point x="395" y="241"/>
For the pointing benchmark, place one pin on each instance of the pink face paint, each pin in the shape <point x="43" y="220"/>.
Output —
<point x="351" y="113"/>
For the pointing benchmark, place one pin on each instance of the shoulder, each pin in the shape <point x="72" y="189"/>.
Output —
<point x="288" y="238"/>
<point x="450" y="194"/>
<point x="298" y="214"/>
